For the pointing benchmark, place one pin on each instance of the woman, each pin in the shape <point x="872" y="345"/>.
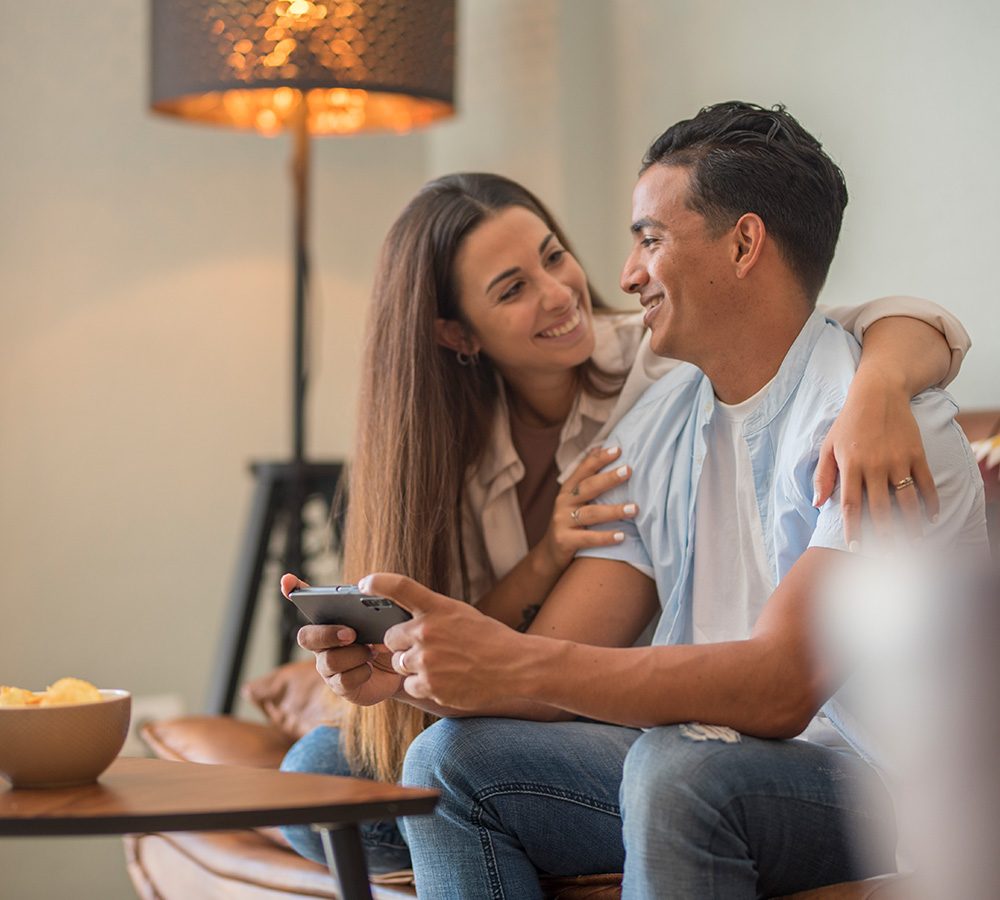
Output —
<point x="491" y="368"/>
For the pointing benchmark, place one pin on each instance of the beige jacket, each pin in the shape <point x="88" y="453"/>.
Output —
<point x="493" y="531"/>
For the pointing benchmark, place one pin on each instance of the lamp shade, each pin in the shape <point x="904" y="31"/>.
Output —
<point x="359" y="65"/>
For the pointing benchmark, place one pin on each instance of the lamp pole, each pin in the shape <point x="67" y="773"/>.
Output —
<point x="300" y="181"/>
<point x="297" y="483"/>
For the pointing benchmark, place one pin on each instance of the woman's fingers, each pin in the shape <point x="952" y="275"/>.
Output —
<point x="593" y="462"/>
<point x="594" y="485"/>
<point x="573" y="514"/>
<point x="290" y="582"/>
<point x="825" y="479"/>
<point x="921" y="473"/>
<point x="908" y="490"/>
<point x="597" y="514"/>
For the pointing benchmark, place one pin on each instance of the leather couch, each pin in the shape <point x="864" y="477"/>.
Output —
<point x="292" y="699"/>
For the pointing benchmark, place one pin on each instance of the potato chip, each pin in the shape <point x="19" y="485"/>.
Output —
<point x="63" y="692"/>
<point x="70" y="690"/>
<point x="12" y="696"/>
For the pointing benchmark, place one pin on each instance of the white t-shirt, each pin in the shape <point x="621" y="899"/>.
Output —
<point x="732" y="578"/>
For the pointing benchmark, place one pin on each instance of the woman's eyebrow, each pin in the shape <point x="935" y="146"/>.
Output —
<point x="513" y="271"/>
<point x="505" y="274"/>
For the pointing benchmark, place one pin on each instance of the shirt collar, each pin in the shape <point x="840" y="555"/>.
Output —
<point x="790" y="373"/>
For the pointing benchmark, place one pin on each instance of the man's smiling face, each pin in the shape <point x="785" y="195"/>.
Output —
<point x="681" y="271"/>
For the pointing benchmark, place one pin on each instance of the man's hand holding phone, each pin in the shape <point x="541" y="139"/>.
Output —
<point x="360" y="673"/>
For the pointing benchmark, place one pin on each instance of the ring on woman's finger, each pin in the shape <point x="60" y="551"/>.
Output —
<point x="905" y="483"/>
<point x="402" y="664"/>
<point x="576" y="515"/>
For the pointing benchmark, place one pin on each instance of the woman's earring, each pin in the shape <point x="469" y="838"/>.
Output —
<point x="466" y="360"/>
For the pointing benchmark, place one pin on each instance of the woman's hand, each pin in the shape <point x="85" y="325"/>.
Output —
<point x="567" y="532"/>
<point x="517" y="597"/>
<point x="876" y="447"/>
<point x="360" y="673"/>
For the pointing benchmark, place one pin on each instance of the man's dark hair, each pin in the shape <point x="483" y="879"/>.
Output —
<point x="747" y="159"/>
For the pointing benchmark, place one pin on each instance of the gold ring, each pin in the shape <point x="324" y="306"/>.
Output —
<point x="576" y="516"/>
<point x="905" y="483"/>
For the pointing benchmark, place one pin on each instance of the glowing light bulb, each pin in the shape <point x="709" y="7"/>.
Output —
<point x="267" y="122"/>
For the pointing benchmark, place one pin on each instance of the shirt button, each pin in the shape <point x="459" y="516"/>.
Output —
<point x="708" y="407"/>
<point x="698" y="459"/>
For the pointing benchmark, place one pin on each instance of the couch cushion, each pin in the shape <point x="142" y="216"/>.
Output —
<point x="883" y="887"/>
<point x="224" y="865"/>
<point x="608" y="887"/>
<point x="294" y="698"/>
<point x="583" y="887"/>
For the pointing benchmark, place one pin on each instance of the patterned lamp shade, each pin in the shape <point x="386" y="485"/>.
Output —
<point x="360" y="65"/>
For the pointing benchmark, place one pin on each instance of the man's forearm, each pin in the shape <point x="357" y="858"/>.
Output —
<point x="754" y="686"/>
<point x="462" y="663"/>
<point x="743" y="684"/>
<point x="770" y="685"/>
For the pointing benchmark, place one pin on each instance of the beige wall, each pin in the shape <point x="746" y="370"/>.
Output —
<point x="144" y="344"/>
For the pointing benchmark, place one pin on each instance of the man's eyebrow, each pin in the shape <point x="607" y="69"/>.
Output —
<point x="641" y="224"/>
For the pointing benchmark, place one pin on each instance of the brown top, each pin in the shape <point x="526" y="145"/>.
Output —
<point x="537" y="491"/>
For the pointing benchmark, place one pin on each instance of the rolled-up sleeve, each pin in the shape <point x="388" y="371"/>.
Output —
<point x="857" y="320"/>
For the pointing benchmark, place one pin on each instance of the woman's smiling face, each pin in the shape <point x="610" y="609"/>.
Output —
<point x="523" y="296"/>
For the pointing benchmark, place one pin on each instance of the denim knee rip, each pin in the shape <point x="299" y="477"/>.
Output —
<point x="695" y="731"/>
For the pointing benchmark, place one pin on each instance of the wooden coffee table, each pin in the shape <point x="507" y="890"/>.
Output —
<point x="148" y="795"/>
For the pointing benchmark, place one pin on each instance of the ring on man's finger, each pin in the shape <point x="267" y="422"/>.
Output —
<point x="905" y="483"/>
<point x="402" y="664"/>
<point x="576" y="515"/>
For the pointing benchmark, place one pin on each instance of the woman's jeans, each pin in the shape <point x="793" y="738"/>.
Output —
<point x="319" y="751"/>
<point x="682" y="811"/>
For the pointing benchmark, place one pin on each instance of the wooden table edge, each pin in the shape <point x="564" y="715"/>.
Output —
<point x="72" y="810"/>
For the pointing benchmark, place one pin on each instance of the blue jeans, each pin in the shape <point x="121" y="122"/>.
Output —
<point x="699" y="818"/>
<point x="319" y="751"/>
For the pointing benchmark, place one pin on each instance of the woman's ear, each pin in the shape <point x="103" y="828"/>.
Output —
<point x="453" y="335"/>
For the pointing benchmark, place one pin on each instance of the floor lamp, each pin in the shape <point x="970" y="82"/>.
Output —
<point x="307" y="68"/>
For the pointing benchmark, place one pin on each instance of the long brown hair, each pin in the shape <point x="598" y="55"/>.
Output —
<point x="423" y="420"/>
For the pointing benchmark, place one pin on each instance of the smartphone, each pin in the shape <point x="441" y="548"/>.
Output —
<point x="369" y="615"/>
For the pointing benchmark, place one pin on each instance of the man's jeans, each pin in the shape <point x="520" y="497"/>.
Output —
<point x="707" y="813"/>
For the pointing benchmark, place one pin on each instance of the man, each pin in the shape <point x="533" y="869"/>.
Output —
<point x="735" y="220"/>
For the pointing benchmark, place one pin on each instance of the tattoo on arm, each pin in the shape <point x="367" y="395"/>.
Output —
<point x="576" y="490"/>
<point x="528" y="615"/>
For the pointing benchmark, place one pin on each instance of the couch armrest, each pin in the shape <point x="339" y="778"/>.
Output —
<point x="294" y="698"/>
<point x="217" y="739"/>
<point x="979" y="423"/>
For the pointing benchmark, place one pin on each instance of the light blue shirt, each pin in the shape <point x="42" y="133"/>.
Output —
<point x="662" y="438"/>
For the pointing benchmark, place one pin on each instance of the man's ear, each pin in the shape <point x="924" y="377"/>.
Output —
<point x="453" y="335"/>
<point x="749" y="235"/>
